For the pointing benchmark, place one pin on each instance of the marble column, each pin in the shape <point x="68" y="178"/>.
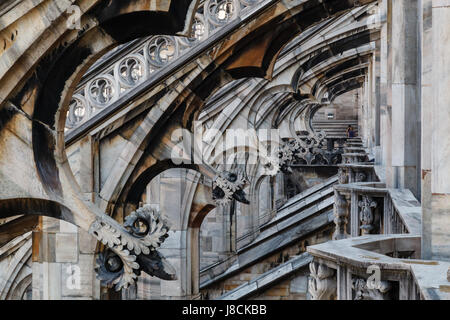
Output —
<point x="365" y="113"/>
<point x="376" y="102"/>
<point x="440" y="164"/>
<point x="427" y="129"/>
<point x="406" y="95"/>
<point x="385" y="88"/>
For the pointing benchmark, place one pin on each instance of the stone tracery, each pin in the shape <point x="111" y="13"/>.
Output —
<point x="262" y="76"/>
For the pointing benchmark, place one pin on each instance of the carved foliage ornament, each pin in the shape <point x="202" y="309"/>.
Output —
<point x="130" y="247"/>
<point x="228" y="186"/>
<point x="322" y="283"/>
<point x="371" y="290"/>
<point x="308" y="150"/>
<point x="143" y="60"/>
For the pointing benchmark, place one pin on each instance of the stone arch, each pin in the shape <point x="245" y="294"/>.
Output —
<point x="75" y="59"/>
<point x="21" y="288"/>
<point x="217" y="74"/>
<point x="41" y="97"/>
<point x="182" y="250"/>
<point x="32" y="206"/>
<point x="17" y="269"/>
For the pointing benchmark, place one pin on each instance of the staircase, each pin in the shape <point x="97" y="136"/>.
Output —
<point x="303" y="215"/>
<point x="335" y="128"/>
<point x="269" y="278"/>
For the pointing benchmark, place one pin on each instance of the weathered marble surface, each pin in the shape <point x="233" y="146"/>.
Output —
<point x="430" y="276"/>
<point x="295" y="221"/>
<point x="268" y="278"/>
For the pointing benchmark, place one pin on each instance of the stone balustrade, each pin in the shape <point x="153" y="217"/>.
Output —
<point x="377" y="247"/>
<point x="376" y="267"/>
<point x="365" y="206"/>
<point x="128" y="66"/>
<point x="356" y="172"/>
<point x="370" y="208"/>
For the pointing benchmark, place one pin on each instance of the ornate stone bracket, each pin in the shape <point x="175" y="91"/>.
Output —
<point x="322" y="284"/>
<point x="228" y="186"/>
<point x="131" y="248"/>
<point x="371" y="290"/>
<point x="366" y="215"/>
<point x="340" y="216"/>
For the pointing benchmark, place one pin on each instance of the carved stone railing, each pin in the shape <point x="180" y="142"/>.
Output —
<point x="378" y="243"/>
<point x="365" y="206"/>
<point x="355" y="157"/>
<point x="371" y="208"/>
<point x="376" y="267"/>
<point x="357" y="172"/>
<point x="128" y="66"/>
<point x="308" y="150"/>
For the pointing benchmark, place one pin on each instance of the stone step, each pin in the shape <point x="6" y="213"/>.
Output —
<point x="308" y="212"/>
<point x="299" y="202"/>
<point x="332" y="128"/>
<point x="316" y="201"/>
<point x="336" y="121"/>
<point x="271" y="277"/>
<point x="309" y="191"/>
<point x="335" y="127"/>
<point x="271" y="245"/>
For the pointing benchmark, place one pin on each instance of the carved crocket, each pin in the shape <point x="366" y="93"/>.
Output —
<point x="134" y="251"/>
<point x="228" y="186"/>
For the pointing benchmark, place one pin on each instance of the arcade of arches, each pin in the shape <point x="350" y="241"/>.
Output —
<point x="225" y="149"/>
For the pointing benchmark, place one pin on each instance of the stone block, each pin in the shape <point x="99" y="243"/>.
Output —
<point x="77" y="278"/>
<point x="87" y="242"/>
<point x="299" y="285"/>
<point x="66" y="249"/>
